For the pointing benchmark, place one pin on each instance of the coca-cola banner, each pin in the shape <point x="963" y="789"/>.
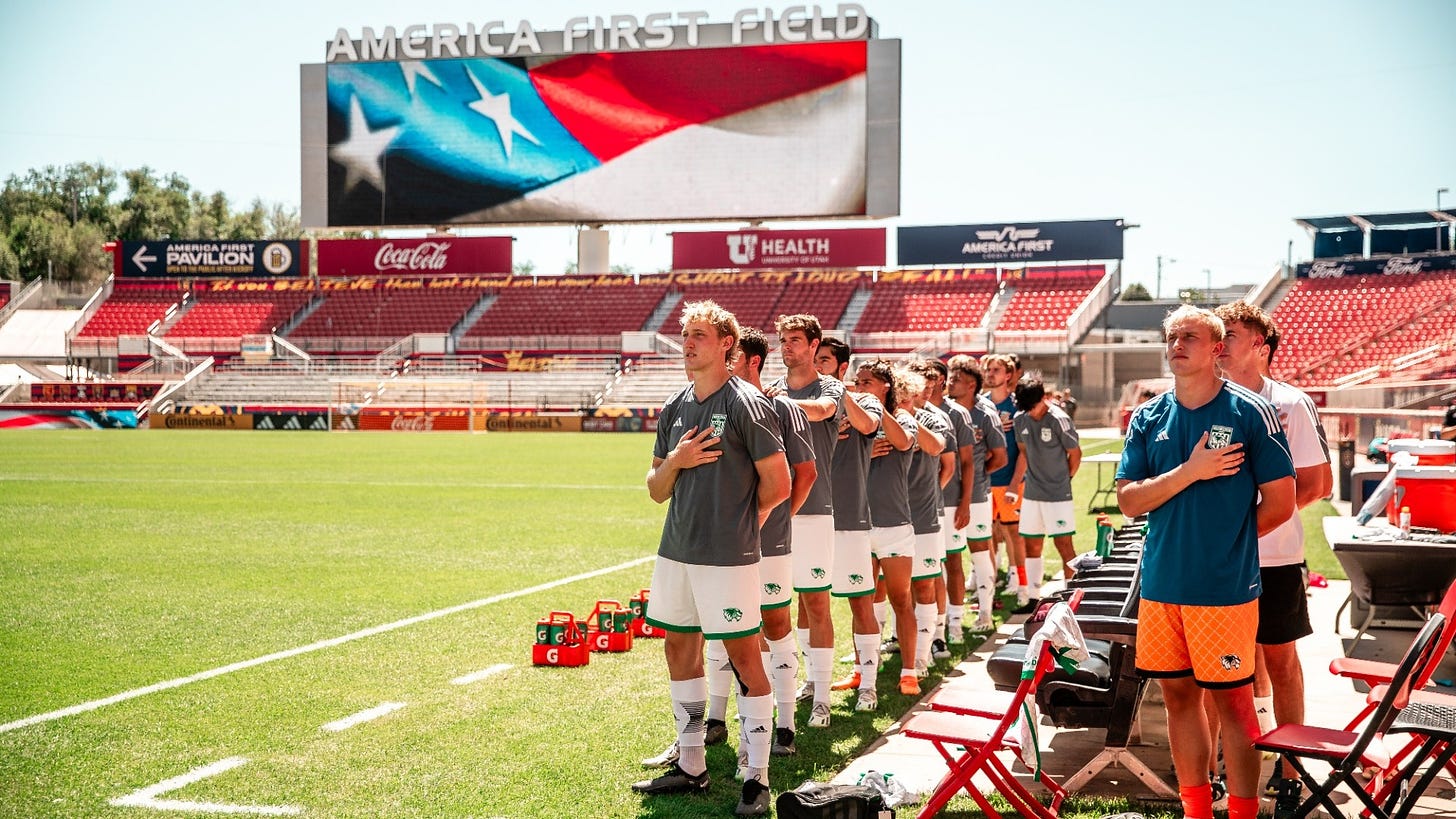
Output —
<point x="439" y="256"/>
<point x="1391" y="266"/>
<point x="715" y="250"/>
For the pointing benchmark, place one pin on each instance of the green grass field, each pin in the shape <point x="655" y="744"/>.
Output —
<point x="132" y="559"/>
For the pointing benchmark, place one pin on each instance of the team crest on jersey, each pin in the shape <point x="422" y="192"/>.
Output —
<point x="1046" y="436"/>
<point x="720" y="421"/>
<point x="1220" y="436"/>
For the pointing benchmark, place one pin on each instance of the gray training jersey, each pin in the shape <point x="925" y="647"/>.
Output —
<point x="986" y="427"/>
<point x="960" y="424"/>
<point x="1046" y="444"/>
<point x="889" y="479"/>
<point x="850" y="472"/>
<point x="823" y="435"/>
<point x="795" y="424"/>
<point x="712" y="519"/>
<point x="924" y="485"/>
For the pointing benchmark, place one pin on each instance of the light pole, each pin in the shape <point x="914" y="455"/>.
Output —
<point x="1208" y="285"/>
<point x="1440" y="191"/>
<point x="1443" y="227"/>
<point x="1158" y="283"/>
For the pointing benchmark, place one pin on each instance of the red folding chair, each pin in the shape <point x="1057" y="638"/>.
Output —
<point x="1375" y="673"/>
<point x="1346" y="752"/>
<point x="969" y="738"/>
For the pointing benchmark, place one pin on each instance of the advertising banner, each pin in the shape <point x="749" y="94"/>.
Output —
<point x="177" y="420"/>
<point x="169" y="259"/>
<point x="291" y="421"/>
<point x="1393" y="266"/>
<point x="502" y="422"/>
<point x="711" y="250"/>
<point x="110" y="391"/>
<point x="1010" y="242"/>
<point x="439" y="256"/>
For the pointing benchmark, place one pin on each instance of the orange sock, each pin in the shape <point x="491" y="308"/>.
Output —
<point x="1243" y="807"/>
<point x="1021" y="575"/>
<point x="1197" y="801"/>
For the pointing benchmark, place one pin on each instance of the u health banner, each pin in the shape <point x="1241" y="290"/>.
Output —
<point x="713" y="250"/>
<point x="436" y="256"/>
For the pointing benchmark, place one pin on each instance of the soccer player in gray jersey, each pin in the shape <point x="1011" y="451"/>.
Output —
<point x="854" y="577"/>
<point x="963" y="383"/>
<point x="813" y="525"/>
<point x="950" y="588"/>
<point x="1047" y="456"/>
<point x="719" y="463"/>
<point x="934" y="459"/>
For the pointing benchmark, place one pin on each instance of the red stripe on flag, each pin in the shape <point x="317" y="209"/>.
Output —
<point x="614" y="102"/>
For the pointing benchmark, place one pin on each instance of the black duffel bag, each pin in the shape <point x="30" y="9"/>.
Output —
<point x="815" y="800"/>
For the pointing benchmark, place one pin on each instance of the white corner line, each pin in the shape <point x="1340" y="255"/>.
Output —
<point x="311" y="647"/>
<point x="362" y="717"/>
<point x="477" y="676"/>
<point x="147" y="797"/>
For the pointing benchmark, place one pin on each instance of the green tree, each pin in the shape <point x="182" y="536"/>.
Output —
<point x="1136" y="292"/>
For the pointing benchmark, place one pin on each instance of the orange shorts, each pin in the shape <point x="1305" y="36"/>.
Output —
<point x="1002" y="511"/>
<point x="1215" y="644"/>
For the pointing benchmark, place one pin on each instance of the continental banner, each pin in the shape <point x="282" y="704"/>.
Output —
<point x="503" y="422"/>
<point x="178" y="420"/>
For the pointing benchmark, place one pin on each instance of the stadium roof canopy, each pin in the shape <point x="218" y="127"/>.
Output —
<point x="1366" y="221"/>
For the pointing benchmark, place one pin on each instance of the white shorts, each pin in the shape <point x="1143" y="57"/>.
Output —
<point x="775" y="579"/>
<point x="979" y="529"/>
<point x="949" y="535"/>
<point x="1043" y="518"/>
<point x="853" y="569"/>
<point x="813" y="552"/>
<point x="720" y="601"/>
<point x="929" y="551"/>
<point x="892" y="541"/>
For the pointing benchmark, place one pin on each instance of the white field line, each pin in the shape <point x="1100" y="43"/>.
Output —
<point x="633" y="487"/>
<point x="477" y="676"/>
<point x="364" y="716"/>
<point x="311" y="647"/>
<point x="147" y="797"/>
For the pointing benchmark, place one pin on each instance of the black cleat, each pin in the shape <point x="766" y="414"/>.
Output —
<point x="783" y="744"/>
<point x="754" y="801"/>
<point x="676" y="780"/>
<point x="717" y="732"/>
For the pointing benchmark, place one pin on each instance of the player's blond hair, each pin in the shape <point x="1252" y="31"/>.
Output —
<point x="1198" y="316"/>
<point x="710" y="312"/>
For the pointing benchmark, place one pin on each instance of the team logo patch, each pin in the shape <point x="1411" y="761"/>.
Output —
<point x="817" y="573"/>
<point x="856" y="579"/>
<point x="772" y="588"/>
<point x="1219" y="436"/>
<point x="929" y="562"/>
<point x="1230" y="661"/>
<point x="1046" y="436"/>
<point x="720" y="421"/>
<point x="732" y="615"/>
<point x="1061" y="523"/>
<point x="980" y="527"/>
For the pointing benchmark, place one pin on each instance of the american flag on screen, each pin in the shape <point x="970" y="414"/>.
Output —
<point x="698" y="133"/>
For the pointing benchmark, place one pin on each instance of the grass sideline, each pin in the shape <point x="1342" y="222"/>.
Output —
<point x="134" y="558"/>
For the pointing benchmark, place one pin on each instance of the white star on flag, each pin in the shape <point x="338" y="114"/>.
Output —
<point x="497" y="109"/>
<point x="414" y="69"/>
<point x="362" y="154"/>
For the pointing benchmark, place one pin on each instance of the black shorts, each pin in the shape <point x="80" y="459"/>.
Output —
<point x="1283" y="605"/>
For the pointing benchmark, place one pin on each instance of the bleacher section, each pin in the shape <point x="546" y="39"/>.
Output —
<point x="130" y="310"/>
<point x="227" y="315"/>
<point x="926" y="305"/>
<point x="752" y="303"/>
<point x="1334" y="328"/>
<point x="1045" y="299"/>
<point x="386" y="313"/>
<point x="568" y="306"/>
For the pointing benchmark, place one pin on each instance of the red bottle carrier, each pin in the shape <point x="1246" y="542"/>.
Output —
<point x="560" y="641"/>
<point x="1430" y="492"/>
<point x="640" y="628"/>
<point x="611" y="627"/>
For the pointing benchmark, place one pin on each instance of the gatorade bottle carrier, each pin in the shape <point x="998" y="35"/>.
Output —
<point x="1429" y="491"/>
<point x="640" y="627"/>
<point x="560" y="641"/>
<point x="610" y="625"/>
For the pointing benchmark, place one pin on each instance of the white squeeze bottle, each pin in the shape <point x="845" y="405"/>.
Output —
<point x="1405" y="526"/>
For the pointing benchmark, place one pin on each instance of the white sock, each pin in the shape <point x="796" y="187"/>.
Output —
<point x="940" y="621"/>
<point x="821" y="668"/>
<point x="985" y="582"/>
<point x="924" y="631"/>
<point x="720" y="680"/>
<point x="783" y="672"/>
<point x="803" y="635"/>
<point x="955" y="616"/>
<point x="688" y="703"/>
<point x="1034" y="569"/>
<point x="755" y="734"/>
<point x="868" y="648"/>
<point x="1264" y="710"/>
<point x="882" y="613"/>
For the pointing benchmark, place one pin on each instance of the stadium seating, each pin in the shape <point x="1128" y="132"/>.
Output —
<point x="231" y="314"/>
<point x="387" y="313"/>
<point x="918" y="306"/>
<point x="130" y="311"/>
<point x="1045" y="300"/>
<point x="824" y="300"/>
<point x="567" y="306"/>
<point x="753" y="303"/>
<point x="1333" y="328"/>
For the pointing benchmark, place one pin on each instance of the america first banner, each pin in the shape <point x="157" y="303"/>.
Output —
<point x="436" y="256"/>
<point x="206" y="258"/>
<point x="716" y="250"/>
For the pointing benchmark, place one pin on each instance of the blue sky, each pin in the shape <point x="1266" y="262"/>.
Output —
<point x="1212" y="125"/>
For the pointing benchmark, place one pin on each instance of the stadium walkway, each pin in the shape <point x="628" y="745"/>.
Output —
<point x="1330" y="701"/>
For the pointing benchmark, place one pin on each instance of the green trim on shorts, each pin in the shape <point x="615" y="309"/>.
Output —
<point x="977" y="540"/>
<point x="776" y="605"/>
<point x="732" y="635"/>
<point x="955" y="551"/>
<point x="1029" y="534"/>
<point x="930" y="576"/>
<point x="852" y="594"/>
<point x="801" y="590"/>
<point x="670" y="627"/>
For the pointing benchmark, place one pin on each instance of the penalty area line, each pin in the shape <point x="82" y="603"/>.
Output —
<point x="311" y="647"/>
<point x="147" y="797"/>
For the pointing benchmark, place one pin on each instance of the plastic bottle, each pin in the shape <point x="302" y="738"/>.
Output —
<point x="1405" y="524"/>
